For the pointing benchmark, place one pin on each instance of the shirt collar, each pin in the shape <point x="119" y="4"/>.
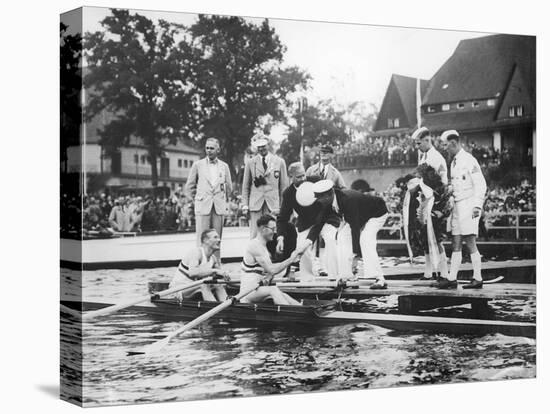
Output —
<point x="215" y="161"/>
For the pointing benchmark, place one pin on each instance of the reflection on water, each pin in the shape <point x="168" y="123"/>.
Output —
<point x="221" y="359"/>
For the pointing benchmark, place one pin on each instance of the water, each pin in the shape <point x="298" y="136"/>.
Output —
<point x="221" y="359"/>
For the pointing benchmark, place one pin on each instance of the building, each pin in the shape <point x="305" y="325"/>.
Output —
<point x="487" y="91"/>
<point x="130" y="166"/>
<point x="398" y="113"/>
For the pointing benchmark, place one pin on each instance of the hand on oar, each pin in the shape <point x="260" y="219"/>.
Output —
<point x="114" y="308"/>
<point x="157" y="346"/>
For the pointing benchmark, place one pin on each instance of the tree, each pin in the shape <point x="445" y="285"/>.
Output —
<point x="240" y="79"/>
<point x="138" y="73"/>
<point x="70" y="75"/>
<point x="323" y="123"/>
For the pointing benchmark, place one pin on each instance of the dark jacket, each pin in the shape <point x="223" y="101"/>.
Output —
<point x="356" y="208"/>
<point x="306" y="215"/>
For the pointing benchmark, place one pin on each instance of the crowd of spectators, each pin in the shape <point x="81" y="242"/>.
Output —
<point x="106" y="214"/>
<point x="401" y="150"/>
<point x="376" y="151"/>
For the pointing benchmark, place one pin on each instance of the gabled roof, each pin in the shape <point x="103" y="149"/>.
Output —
<point x="400" y="100"/>
<point x="406" y="86"/>
<point x="481" y="67"/>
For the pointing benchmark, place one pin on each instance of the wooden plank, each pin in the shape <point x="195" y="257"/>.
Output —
<point x="492" y="292"/>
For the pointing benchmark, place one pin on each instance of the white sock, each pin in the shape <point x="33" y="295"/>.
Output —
<point x="476" y="264"/>
<point x="456" y="260"/>
<point x="428" y="267"/>
<point x="443" y="269"/>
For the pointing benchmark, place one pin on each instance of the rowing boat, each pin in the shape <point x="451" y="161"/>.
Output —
<point x="319" y="313"/>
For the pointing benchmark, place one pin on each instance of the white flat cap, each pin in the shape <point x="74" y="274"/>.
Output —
<point x="304" y="194"/>
<point x="260" y="142"/>
<point x="322" y="186"/>
<point x="420" y="132"/>
<point x="445" y="135"/>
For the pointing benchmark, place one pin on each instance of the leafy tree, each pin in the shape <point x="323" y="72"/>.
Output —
<point x="323" y="123"/>
<point x="138" y="73"/>
<point x="70" y="90"/>
<point x="240" y="79"/>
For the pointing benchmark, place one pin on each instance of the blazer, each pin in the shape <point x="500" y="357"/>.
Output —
<point x="306" y="215"/>
<point x="208" y="192"/>
<point x="331" y="174"/>
<point x="270" y="193"/>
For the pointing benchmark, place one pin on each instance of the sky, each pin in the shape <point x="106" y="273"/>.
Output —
<point x="348" y="62"/>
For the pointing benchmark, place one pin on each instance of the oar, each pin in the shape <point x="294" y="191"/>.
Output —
<point x="114" y="308"/>
<point x="157" y="346"/>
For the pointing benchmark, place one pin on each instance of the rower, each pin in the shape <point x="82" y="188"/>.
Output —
<point x="259" y="269"/>
<point x="199" y="263"/>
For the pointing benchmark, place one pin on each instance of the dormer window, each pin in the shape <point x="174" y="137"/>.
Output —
<point x="475" y="104"/>
<point x="445" y="107"/>
<point x="431" y="109"/>
<point x="515" y="111"/>
<point x="460" y="106"/>
<point x="491" y="102"/>
<point x="445" y="86"/>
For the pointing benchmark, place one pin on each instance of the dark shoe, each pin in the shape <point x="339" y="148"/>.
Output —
<point x="446" y="284"/>
<point x="322" y="273"/>
<point x="378" y="285"/>
<point x="474" y="284"/>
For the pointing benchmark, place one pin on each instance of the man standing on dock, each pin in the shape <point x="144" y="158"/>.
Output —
<point x="363" y="216"/>
<point x="306" y="210"/>
<point x="325" y="170"/>
<point x="265" y="179"/>
<point x="429" y="155"/>
<point x="468" y="190"/>
<point x="209" y="185"/>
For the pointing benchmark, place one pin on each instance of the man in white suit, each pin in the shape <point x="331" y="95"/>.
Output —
<point x="209" y="185"/>
<point x="265" y="179"/>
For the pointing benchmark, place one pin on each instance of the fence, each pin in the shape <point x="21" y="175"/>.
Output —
<point x="516" y="221"/>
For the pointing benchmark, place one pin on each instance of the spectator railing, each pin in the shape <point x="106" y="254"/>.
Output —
<point x="517" y="224"/>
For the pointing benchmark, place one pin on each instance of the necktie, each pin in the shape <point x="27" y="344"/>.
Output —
<point x="264" y="164"/>
<point x="454" y="162"/>
<point x="322" y="171"/>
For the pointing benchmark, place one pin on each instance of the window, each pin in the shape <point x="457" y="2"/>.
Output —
<point x="136" y="158"/>
<point x="460" y="106"/>
<point x="143" y="159"/>
<point x="515" y="110"/>
<point x="180" y="163"/>
<point x="445" y="107"/>
<point x="475" y="104"/>
<point x="390" y="123"/>
<point x="431" y="109"/>
<point x="396" y="123"/>
<point x="491" y="102"/>
<point x="185" y="164"/>
<point x="445" y="86"/>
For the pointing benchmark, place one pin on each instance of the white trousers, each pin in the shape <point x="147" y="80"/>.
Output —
<point x="367" y="240"/>
<point x="328" y="233"/>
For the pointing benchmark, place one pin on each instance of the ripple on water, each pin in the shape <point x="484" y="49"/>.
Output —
<point x="221" y="359"/>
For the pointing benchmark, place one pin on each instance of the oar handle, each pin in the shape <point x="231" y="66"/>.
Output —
<point x="135" y="301"/>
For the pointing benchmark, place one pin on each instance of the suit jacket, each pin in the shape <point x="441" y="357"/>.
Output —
<point x="331" y="174"/>
<point x="306" y="215"/>
<point x="208" y="192"/>
<point x="356" y="208"/>
<point x="271" y="193"/>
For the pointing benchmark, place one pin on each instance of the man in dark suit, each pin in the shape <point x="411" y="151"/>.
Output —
<point x="363" y="215"/>
<point x="295" y="199"/>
